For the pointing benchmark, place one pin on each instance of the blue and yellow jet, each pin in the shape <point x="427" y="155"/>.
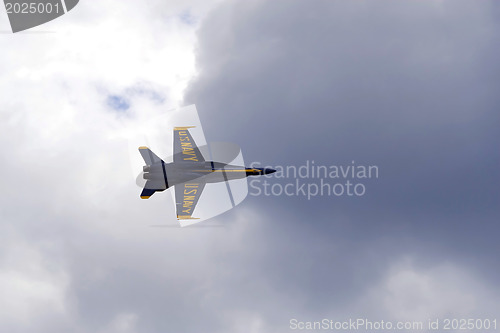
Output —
<point x="189" y="173"/>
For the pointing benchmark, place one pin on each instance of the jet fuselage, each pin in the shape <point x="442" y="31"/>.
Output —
<point x="211" y="172"/>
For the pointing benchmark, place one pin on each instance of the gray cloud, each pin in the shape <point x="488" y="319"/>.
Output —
<point x="410" y="87"/>
<point x="404" y="86"/>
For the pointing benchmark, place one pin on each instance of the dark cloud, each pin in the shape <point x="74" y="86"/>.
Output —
<point x="408" y="86"/>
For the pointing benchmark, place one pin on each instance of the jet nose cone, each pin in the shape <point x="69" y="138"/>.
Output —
<point x="268" y="171"/>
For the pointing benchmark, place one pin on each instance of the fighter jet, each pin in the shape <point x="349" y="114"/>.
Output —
<point x="189" y="173"/>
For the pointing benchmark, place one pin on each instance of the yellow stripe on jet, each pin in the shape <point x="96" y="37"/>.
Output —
<point x="187" y="217"/>
<point x="183" y="128"/>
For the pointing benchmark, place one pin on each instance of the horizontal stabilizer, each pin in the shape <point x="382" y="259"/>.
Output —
<point x="151" y="187"/>
<point x="146" y="193"/>
<point x="148" y="156"/>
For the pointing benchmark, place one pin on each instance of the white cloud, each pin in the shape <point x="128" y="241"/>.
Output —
<point x="33" y="287"/>
<point x="411" y="292"/>
<point x="66" y="169"/>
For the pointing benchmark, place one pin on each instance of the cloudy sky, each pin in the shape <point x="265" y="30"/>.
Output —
<point x="408" y="86"/>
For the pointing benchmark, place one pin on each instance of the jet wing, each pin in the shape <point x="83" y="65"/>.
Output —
<point x="185" y="149"/>
<point x="186" y="198"/>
